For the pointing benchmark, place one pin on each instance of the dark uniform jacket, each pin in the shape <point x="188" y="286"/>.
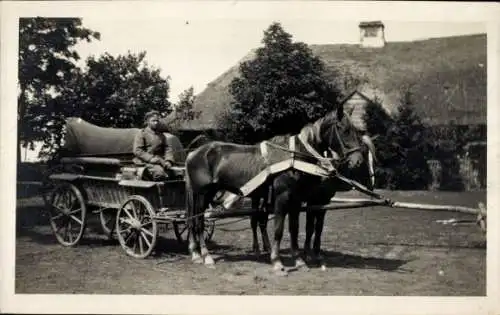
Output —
<point x="148" y="143"/>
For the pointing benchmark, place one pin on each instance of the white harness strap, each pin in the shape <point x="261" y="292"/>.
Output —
<point x="265" y="155"/>
<point x="370" y="168"/>
<point x="291" y="143"/>
<point x="263" y="150"/>
<point x="309" y="148"/>
<point x="317" y="155"/>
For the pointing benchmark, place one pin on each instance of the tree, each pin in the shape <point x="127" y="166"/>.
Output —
<point x="184" y="109"/>
<point x="279" y="91"/>
<point x="408" y="139"/>
<point x="112" y="92"/>
<point x="377" y="119"/>
<point x="46" y="62"/>
<point x="446" y="144"/>
<point x="378" y="123"/>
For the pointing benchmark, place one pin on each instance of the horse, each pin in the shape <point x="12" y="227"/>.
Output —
<point x="319" y="195"/>
<point x="322" y="194"/>
<point x="219" y="166"/>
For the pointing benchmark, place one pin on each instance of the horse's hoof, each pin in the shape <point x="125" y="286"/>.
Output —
<point x="197" y="259"/>
<point x="279" y="269"/>
<point x="281" y="272"/>
<point x="210" y="266"/>
<point x="209" y="261"/>
<point x="301" y="264"/>
<point x="323" y="267"/>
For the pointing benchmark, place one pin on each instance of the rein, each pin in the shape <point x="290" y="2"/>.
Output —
<point x="311" y="152"/>
<point x="299" y="153"/>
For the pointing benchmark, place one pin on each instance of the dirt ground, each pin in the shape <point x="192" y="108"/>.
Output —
<point x="369" y="251"/>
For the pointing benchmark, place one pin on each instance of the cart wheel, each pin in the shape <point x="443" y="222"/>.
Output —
<point x="136" y="228"/>
<point x="181" y="231"/>
<point x="68" y="212"/>
<point x="108" y="221"/>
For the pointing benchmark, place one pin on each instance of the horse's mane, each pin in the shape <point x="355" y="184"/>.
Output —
<point x="310" y="132"/>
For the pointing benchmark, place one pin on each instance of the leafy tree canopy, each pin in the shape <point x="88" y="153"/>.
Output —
<point x="279" y="91"/>
<point x="46" y="62"/>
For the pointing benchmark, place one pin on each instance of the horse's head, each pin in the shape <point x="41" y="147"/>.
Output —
<point x="336" y="134"/>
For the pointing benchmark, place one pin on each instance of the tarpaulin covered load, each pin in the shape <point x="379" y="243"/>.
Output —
<point x="85" y="139"/>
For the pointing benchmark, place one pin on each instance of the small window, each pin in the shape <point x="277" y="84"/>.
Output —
<point x="371" y="32"/>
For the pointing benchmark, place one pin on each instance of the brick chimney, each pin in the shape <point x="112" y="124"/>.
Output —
<point x="372" y="34"/>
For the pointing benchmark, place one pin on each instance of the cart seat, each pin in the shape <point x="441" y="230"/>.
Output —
<point x="137" y="172"/>
<point x="90" y="161"/>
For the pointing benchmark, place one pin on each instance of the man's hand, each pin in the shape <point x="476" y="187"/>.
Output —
<point x="155" y="160"/>
<point x="166" y="164"/>
<point x="158" y="160"/>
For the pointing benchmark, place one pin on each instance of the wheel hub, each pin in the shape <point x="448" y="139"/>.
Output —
<point x="136" y="224"/>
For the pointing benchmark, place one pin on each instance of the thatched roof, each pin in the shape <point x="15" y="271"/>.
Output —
<point x="448" y="76"/>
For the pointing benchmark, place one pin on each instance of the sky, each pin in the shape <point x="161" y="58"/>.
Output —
<point x="193" y="52"/>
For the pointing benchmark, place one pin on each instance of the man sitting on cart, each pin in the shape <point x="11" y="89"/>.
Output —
<point x="151" y="148"/>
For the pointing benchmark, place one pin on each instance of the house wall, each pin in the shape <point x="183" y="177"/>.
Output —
<point x="466" y="168"/>
<point x="355" y="106"/>
<point x="372" y="36"/>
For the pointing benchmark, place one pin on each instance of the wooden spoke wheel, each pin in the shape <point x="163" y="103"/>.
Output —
<point x="68" y="212"/>
<point x="182" y="233"/>
<point x="136" y="228"/>
<point x="108" y="221"/>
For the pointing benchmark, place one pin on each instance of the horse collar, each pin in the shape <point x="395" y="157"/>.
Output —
<point x="263" y="150"/>
<point x="308" y="147"/>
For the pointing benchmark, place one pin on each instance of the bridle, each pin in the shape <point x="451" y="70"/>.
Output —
<point x="344" y="154"/>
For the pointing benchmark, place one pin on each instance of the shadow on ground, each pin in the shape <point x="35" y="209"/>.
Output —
<point x="331" y="260"/>
<point x="340" y="260"/>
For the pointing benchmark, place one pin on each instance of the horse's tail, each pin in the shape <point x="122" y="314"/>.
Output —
<point x="195" y="196"/>
<point x="191" y="202"/>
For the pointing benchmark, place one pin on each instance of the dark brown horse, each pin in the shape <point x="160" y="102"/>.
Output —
<point x="219" y="166"/>
<point x="320" y="194"/>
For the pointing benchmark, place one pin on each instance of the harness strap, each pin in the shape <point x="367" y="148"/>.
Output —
<point x="315" y="153"/>
<point x="265" y="154"/>
<point x="264" y="151"/>
<point x="370" y="168"/>
<point x="291" y="143"/>
<point x="309" y="148"/>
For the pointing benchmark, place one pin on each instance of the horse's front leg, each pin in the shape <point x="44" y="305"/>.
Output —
<point x="293" y="228"/>
<point x="254" y="220"/>
<point x="279" y="221"/>
<point x="320" y="222"/>
<point x="263" y="219"/>
<point x="310" y="220"/>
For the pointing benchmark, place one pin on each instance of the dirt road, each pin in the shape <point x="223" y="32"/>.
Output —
<point x="369" y="251"/>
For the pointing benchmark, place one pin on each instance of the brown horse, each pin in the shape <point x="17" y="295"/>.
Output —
<point x="219" y="166"/>
<point x="317" y="195"/>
